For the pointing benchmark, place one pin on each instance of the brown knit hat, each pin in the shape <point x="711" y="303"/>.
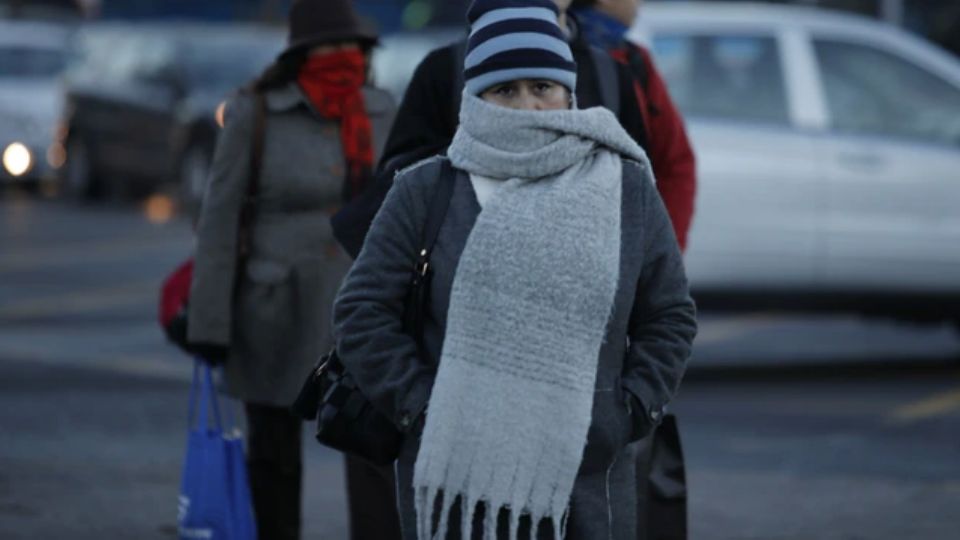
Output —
<point x="316" y="22"/>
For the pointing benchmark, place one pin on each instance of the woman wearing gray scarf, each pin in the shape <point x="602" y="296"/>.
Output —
<point x="559" y="320"/>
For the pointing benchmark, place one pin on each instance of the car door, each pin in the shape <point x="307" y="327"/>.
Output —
<point x="757" y="209"/>
<point x="892" y="156"/>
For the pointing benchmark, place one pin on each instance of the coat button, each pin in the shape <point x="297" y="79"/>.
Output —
<point x="655" y="415"/>
<point x="405" y="420"/>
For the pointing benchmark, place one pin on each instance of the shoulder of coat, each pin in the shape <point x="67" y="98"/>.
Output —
<point x="413" y="168"/>
<point x="636" y="169"/>
<point x="637" y="179"/>
<point x="443" y="54"/>
<point x="422" y="174"/>
<point x="633" y="164"/>
<point x="238" y="106"/>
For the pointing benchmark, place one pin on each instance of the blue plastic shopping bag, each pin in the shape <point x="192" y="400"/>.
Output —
<point x="215" y="501"/>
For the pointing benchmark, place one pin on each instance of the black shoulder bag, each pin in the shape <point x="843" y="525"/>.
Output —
<point x="346" y="420"/>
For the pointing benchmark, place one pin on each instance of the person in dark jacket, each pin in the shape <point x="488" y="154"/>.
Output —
<point x="427" y="117"/>
<point x="558" y="323"/>
<point x="604" y="23"/>
<point x="320" y="128"/>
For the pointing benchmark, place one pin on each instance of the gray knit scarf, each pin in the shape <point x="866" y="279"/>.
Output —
<point x="508" y="417"/>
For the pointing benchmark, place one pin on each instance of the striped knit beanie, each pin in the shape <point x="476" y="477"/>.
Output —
<point x="516" y="39"/>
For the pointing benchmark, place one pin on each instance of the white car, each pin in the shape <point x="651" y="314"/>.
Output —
<point x="828" y="153"/>
<point x="32" y="57"/>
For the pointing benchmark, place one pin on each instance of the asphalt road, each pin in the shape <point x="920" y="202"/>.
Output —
<point x="794" y="428"/>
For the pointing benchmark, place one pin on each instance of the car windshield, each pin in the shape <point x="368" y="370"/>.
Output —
<point x="27" y="61"/>
<point x="228" y="62"/>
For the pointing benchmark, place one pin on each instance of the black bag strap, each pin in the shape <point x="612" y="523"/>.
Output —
<point x="439" y="204"/>
<point x="607" y="80"/>
<point x="418" y="295"/>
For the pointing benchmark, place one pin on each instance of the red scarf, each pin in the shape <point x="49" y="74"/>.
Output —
<point x="333" y="82"/>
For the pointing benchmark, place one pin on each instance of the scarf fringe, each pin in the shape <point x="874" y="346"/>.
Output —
<point x="429" y="498"/>
<point x="434" y="506"/>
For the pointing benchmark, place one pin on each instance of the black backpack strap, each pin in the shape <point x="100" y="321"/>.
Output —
<point x="638" y="66"/>
<point x="641" y="73"/>
<point x="607" y="80"/>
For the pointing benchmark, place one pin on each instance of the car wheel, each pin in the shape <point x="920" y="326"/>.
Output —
<point x="78" y="177"/>
<point x="194" y="168"/>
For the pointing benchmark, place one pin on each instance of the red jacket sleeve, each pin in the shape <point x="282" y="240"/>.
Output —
<point x="670" y="153"/>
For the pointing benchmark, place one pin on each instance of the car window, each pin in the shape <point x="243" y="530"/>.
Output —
<point x="26" y="61"/>
<point x="869" y="90"/>
<point x="736" y="77"/>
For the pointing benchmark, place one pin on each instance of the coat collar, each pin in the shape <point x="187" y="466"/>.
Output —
<point x="286" y="97"/>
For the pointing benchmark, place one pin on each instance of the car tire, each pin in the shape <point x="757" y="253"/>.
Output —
<point x="79" y="177"/>
<point x="194" y="169"/>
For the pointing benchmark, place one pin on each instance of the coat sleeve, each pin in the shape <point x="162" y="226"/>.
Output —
<point x="368" y="312"/>
<point x="662" y="321"/>
<point x="211" y="292"/>
<point x="673" y="160"/>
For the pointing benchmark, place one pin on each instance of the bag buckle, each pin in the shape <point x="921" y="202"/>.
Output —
<point x="321" y="368"/>
<point x="423" y="264"/>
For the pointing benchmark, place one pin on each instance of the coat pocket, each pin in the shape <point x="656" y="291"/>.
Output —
<point x="264" y="303"/>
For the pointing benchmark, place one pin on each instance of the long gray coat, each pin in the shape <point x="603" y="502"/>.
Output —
<point x="278" y="322"/>
<point x="648" y="339"/>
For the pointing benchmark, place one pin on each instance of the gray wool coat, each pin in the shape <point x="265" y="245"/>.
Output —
<point x="277" y="321"/>
<point x="648" y="341"/>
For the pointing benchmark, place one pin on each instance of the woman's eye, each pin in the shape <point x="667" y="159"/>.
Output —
<point x="543" y="87"/>
<point x="504" y="90"/>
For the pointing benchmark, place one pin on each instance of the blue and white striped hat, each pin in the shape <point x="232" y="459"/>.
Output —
<point x="516" y="39"/>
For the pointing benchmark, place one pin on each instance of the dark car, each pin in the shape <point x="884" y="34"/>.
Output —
<point x="142" y="104"/>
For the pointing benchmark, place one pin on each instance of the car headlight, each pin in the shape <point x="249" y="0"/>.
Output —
<point x="17" y="159"/>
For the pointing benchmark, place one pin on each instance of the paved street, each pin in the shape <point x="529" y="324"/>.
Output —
<point x="794" y="428"/>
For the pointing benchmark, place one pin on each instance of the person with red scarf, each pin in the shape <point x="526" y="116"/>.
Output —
<point x="298" y="142"/>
